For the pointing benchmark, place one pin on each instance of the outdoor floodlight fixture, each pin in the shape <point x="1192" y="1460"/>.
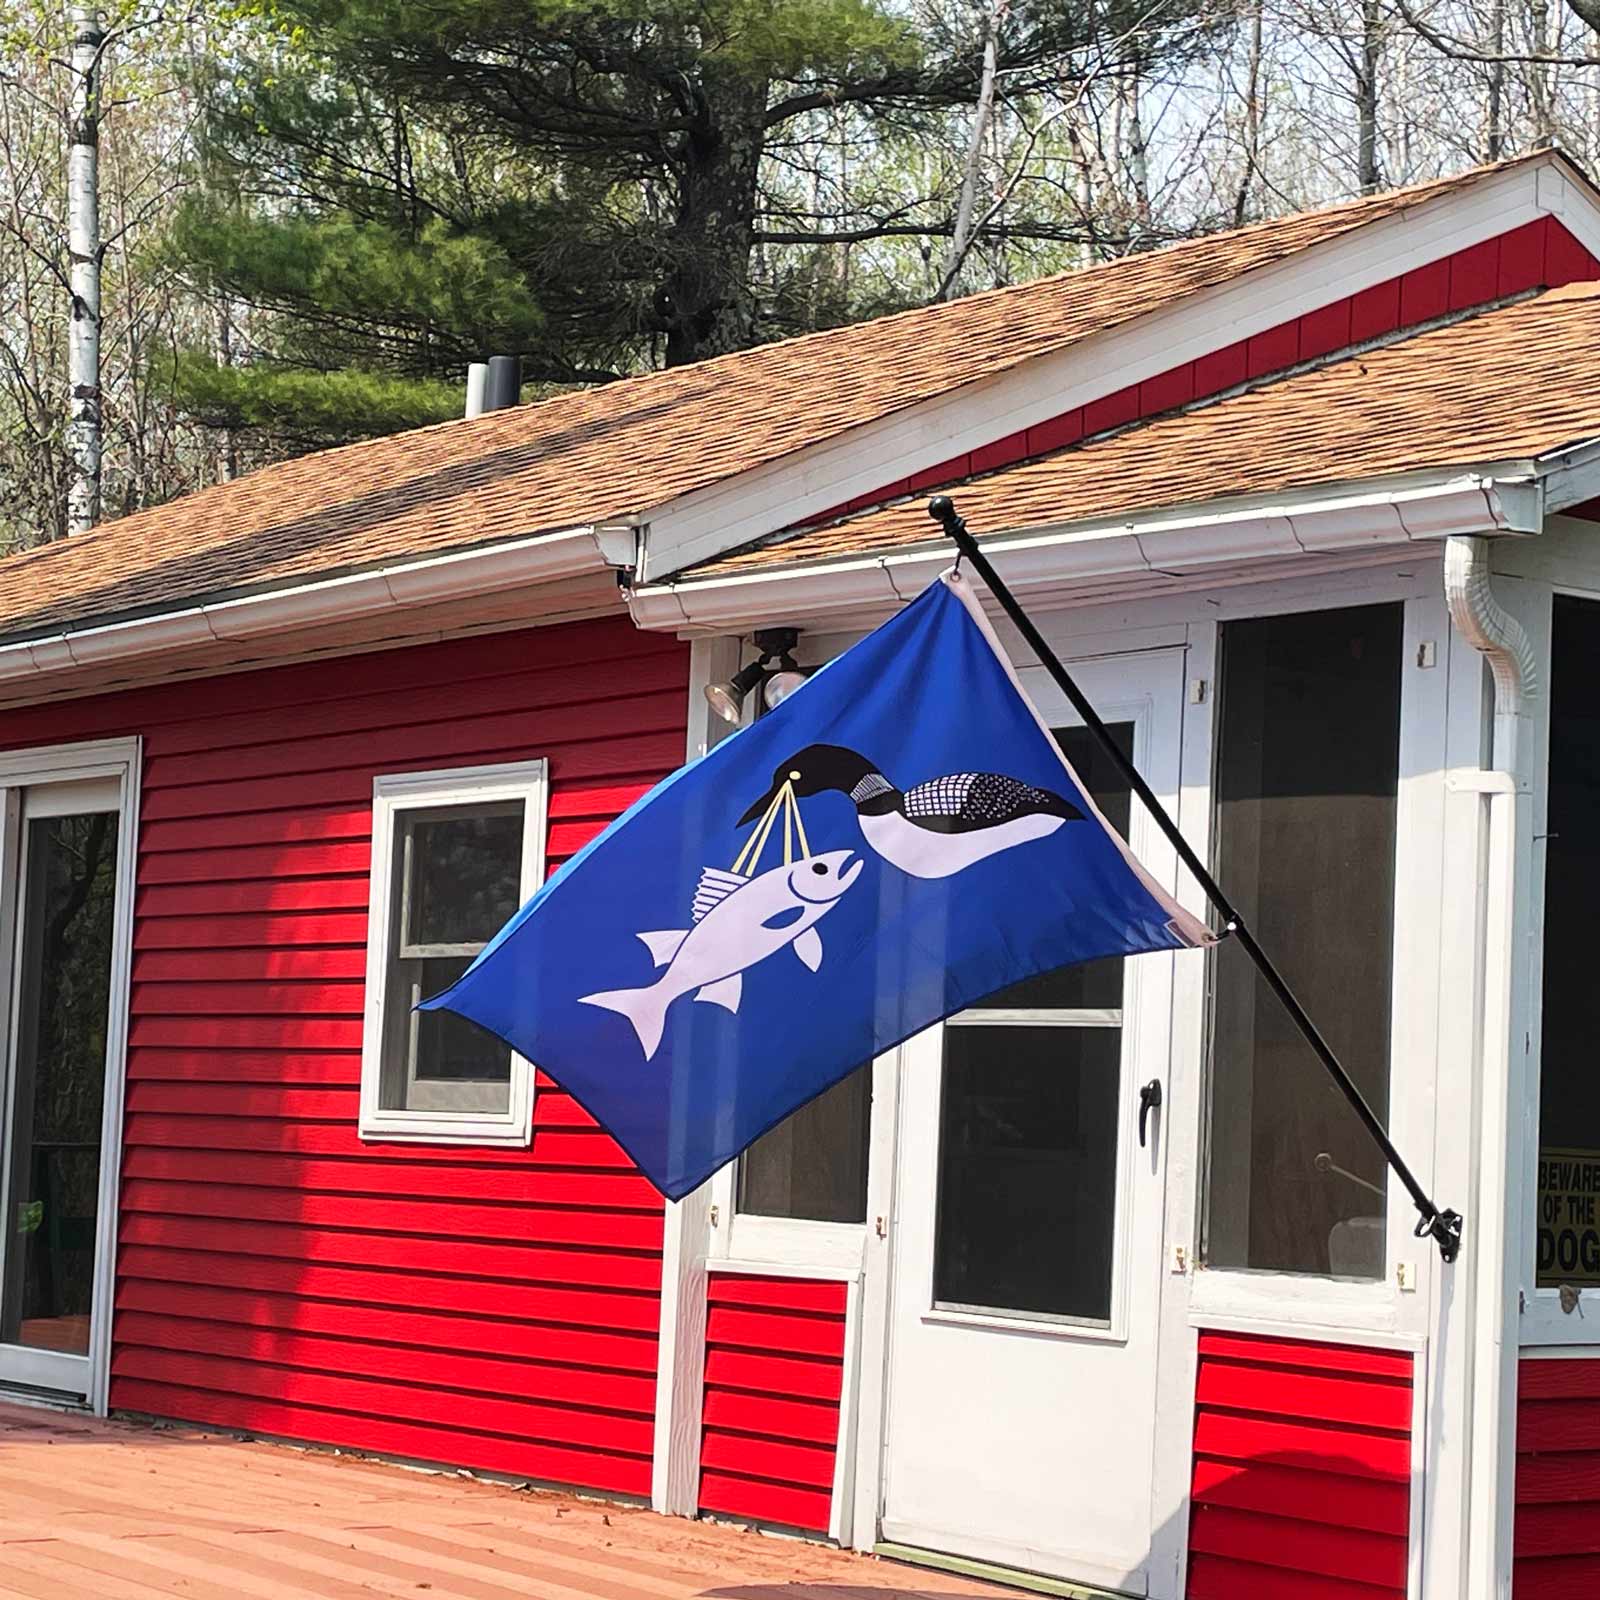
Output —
<point x="774" y="669"/>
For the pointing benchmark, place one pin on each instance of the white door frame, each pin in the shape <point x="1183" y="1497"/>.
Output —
<point x="105" y="761"/>
<point x="1153" y="700"/>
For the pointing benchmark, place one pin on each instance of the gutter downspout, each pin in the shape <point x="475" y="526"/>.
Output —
<point x="1483" y="623"/>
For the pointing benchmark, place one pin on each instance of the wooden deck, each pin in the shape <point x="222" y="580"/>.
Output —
<point x="117" y="1511"/>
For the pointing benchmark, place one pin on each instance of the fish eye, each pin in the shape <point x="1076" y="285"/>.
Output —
<point x="794" y="777"/>
<point x="818" y="868"/>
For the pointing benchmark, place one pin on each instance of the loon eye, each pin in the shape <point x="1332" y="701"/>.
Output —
<point x="818" y="868"/>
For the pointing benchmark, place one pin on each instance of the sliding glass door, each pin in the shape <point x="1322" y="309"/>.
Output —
<point x="62" y="940"/>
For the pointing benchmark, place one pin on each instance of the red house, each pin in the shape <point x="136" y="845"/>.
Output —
<point x="1308" y="505"/>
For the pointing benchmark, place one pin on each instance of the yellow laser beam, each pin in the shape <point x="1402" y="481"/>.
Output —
<point x="799" y="826"/>
<point x="749" y="858"/>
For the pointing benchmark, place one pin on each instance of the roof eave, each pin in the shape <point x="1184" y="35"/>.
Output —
<point x="398" y="587"/>
<point x="1351" y="520"/>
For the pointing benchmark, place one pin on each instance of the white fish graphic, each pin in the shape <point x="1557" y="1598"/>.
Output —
<point x="738" y="921"/>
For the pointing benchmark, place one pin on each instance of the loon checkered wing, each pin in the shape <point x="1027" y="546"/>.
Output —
<point x="966" y="801"/>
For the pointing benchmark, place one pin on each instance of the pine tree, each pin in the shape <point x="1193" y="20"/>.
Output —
<point x="398" y="188"/>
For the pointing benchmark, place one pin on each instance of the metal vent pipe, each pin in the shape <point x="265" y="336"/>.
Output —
<point x="505" y="382"/>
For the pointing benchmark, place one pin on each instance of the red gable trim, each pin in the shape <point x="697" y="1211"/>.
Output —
<point x="1542" y="254"/>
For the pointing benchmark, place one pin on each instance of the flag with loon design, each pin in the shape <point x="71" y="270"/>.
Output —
<point x="898" y="839"/>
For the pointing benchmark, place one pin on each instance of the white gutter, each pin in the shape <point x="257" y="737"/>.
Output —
<point x="1402" y="512"/>
<point x="398" y="587"/>
<point x="1494" y="1224"/>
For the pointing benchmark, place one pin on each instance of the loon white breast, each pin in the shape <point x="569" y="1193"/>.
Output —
<point x="935" y="828"/>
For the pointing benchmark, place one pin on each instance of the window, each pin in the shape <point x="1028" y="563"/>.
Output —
<point x="1568" y="1225"/>
<point x="1028" y="1123"/>
<point x="1308" y="757"/>
<point x="453" y="856"/>
<point x="813" y="1165"/>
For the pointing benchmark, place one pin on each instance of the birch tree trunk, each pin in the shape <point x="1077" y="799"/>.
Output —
<point x="1369" y="177"/>
<point x="1136" y="152"/>
<point x="1539" y="73"/>
<point x="1495" y="143"/>
<point x="83" y="436"/>
<point x="1252" y="119"/>
<point x="966" y="203"/>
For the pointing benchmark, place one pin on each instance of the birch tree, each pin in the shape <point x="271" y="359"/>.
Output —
<point x="88" y="42"/>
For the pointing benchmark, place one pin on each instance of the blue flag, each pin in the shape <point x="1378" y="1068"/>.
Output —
<point x="898" y="839"/>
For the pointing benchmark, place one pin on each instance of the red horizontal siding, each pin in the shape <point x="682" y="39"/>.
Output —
<point x="1556" y="1541"/>
<point x="1542" y="254"/>
<point x="773" y="1379"/>
<point x="495" y="1309"/>
<point x="1302" y="1466"/>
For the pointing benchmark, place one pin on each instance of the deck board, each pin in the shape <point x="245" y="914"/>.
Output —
<point x="120" y="1511"/>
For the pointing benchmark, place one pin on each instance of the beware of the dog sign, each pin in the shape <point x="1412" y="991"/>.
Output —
<point x="1569" y="1217"/>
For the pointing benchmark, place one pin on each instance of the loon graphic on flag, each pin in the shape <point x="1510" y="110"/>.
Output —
<point x="777" y="913"/>
<point x="937" y="827"/>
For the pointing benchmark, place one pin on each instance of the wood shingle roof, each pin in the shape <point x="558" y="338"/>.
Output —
<point x="613" y="452"/>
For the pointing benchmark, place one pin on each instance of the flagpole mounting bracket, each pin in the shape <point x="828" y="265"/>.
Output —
<point x="1443" y="1227"/>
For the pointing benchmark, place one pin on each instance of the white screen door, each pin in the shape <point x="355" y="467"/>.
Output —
<point x="62" y="865"/>
<point x="1027" y="1242"/>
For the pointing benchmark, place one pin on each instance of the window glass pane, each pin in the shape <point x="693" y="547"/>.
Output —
<point x="1092" y="985"/>
<point x="1307" y="771"/>
<point x="465" y="877"/>
<point x="456" y="878"/>
<point x="814" y="1163"/>
<point x="1568" y="1240"/>
<point x="1028" y="1170"/>
<point x="58" y="1089"/>
<point x="449" y="1047"/>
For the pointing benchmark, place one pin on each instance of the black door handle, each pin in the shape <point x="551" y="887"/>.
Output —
<point x="1149" y="1097"/>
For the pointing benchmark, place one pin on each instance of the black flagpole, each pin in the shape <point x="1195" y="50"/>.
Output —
<point x="1444" y="1227"/>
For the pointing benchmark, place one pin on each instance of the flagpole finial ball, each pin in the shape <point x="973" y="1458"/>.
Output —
<point x="943" y="511"/>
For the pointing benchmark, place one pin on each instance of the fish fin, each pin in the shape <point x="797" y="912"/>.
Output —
<point x="809" y="948"/>
<point x="714" y="887"/>
<point x="663" y="945"/>
<point x="645" y="1008"/>
<point x="725" y="992"/>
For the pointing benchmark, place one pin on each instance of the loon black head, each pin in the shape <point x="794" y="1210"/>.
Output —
<point x="810" y="771"/>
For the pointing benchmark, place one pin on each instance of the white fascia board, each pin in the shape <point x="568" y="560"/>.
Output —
<point x="399" y="587"/>
<point x="1564" y="194"/>
<point x="1352" y="520"/>
<point x="700" y="526"/>
<point x="1571" y="476"/>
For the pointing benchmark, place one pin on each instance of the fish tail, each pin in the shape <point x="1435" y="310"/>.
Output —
<point x="645" y="1008"/>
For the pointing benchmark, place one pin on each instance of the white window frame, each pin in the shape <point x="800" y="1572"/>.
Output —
<point x="527" y="781"/>
<point x="31" y="780"/>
